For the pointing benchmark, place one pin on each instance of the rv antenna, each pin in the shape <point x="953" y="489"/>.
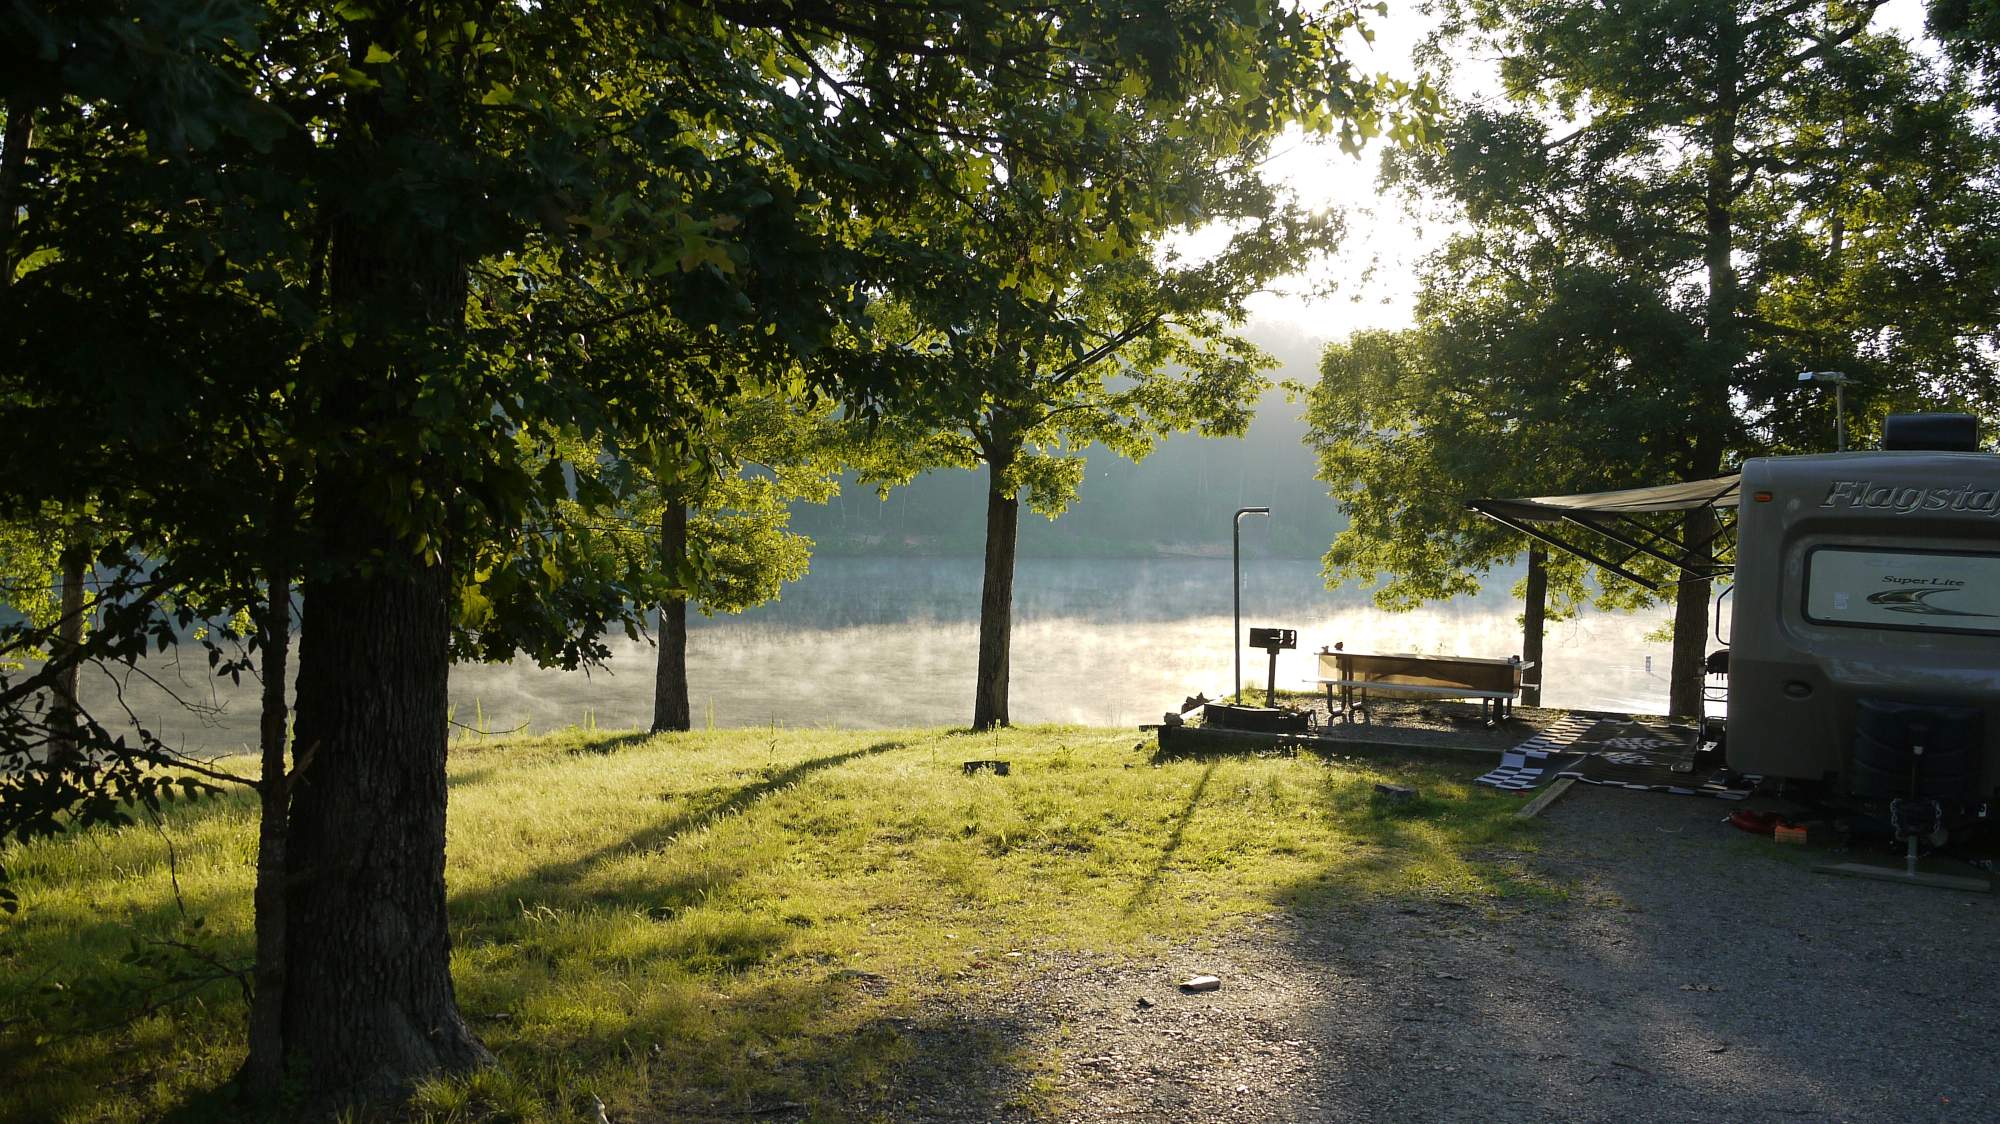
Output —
<point x="1839" y="382"/>
<point x="1236" y="586"/>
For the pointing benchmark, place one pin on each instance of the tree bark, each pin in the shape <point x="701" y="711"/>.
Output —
<point x="670" y="682"/>
<point x="1534" y="611"/>
<point x="67" y="704"/>
<point x="996" y="597"/>
<point x="369" y="1006"/>
<point x="264" y="1070"/>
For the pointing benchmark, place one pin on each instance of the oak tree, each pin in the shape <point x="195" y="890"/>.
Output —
<point x="1698" y="201"/>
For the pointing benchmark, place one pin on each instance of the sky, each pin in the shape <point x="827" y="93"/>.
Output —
<point x="1374" y="278"/>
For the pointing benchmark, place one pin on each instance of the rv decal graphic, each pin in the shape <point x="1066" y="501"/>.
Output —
<point x="1905" y="500"/>
<point x="1918" y="600"/>
<point x="1924" y="590"/>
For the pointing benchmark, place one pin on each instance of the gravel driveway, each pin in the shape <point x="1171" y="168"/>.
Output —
<point x="1694" y="973"/>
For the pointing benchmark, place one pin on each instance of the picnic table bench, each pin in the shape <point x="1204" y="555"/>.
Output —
<point x="1495" y="683"/>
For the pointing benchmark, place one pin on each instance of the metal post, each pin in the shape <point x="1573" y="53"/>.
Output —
<point x="1236" y="586"/>
<point x="1839" y="381"/>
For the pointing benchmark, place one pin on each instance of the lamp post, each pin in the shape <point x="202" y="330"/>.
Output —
<point x="1839" y="381"/>
<point x="1236" y="586"/>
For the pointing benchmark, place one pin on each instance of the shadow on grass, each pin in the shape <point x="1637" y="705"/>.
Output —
<point x="1151" y="883"/>
<point x="1222" y="751"/>
<point x="466" y="778"/>
<point x="537" y="883"/>
<point x="1451" y="846"/>
<point x="605" y="747"/>
<point x="698" y="949"/>
<point x="825" y="1048"/>
<point x="707" y="1035"/>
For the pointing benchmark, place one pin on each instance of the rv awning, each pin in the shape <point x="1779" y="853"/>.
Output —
<point x="1719" y="492"/>
<point x="1616" y="516"/>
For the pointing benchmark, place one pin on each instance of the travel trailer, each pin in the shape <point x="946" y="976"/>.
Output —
<point x="1864" y="642"/>
<point x="1863" y="629"/>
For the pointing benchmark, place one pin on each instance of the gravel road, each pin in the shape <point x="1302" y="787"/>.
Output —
<point x="1693" y="973"/>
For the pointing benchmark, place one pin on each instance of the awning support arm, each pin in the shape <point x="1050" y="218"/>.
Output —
<point x="1566" y="547"/>
<point x="1623" y="540"/>
<point x="1649" y="532"/>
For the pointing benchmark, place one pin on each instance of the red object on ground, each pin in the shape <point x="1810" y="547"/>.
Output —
<point x="1756" y="823"/>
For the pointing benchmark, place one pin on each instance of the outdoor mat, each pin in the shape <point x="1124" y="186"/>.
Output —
<point x="1651" y="757"/>
<point x="1628" y="741"/>
<point x="1723" y="784"/>
<point x="1521" y="767"/>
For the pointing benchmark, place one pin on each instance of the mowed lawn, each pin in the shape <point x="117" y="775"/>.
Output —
<point x="723" y="921"/>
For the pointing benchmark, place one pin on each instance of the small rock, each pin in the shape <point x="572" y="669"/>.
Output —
<point x="1144" y="1003"/>
<point x="1201" y="983"/>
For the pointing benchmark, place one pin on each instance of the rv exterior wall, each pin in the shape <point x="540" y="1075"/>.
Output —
<point x="1865" y="575"/>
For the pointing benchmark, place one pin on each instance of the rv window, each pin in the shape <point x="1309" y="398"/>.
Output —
<point x="1929" y="591"/>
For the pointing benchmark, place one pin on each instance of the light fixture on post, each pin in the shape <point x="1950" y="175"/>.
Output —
<point x="1236" y="587"/>
<point x="1839" y="381"/>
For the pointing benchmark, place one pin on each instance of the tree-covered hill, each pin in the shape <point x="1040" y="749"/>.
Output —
<point x="1176" y="501"/>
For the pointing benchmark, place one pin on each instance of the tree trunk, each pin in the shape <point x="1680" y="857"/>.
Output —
<point x="64" y="705"/>
<point x="369" y="1006"/>
<point x="1534" y="610"/>
<point x="996" y="597"/>
<point x="67" y="705"/>
<point x="1712" y="407"/>
<point x="670" y="681"/>
<point x="1690" y="621"/>
<point x="264" y="1070"/>
<point x="13" y="157"/>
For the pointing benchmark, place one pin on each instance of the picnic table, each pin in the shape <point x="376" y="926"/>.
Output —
<point x="1495" y="683"/>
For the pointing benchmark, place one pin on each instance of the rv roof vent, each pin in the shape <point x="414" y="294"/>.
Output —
<point x="1955" y="433"/>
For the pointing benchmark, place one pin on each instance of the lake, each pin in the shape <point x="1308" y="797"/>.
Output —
<point x="893" y="642"/>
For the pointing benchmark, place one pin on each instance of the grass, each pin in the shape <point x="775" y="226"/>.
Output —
<point x="724" y="921"/>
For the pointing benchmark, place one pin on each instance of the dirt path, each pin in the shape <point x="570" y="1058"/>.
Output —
<point x="1693" y="974"/>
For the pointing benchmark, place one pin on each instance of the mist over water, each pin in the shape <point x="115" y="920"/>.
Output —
<point x="868" y="642"/>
